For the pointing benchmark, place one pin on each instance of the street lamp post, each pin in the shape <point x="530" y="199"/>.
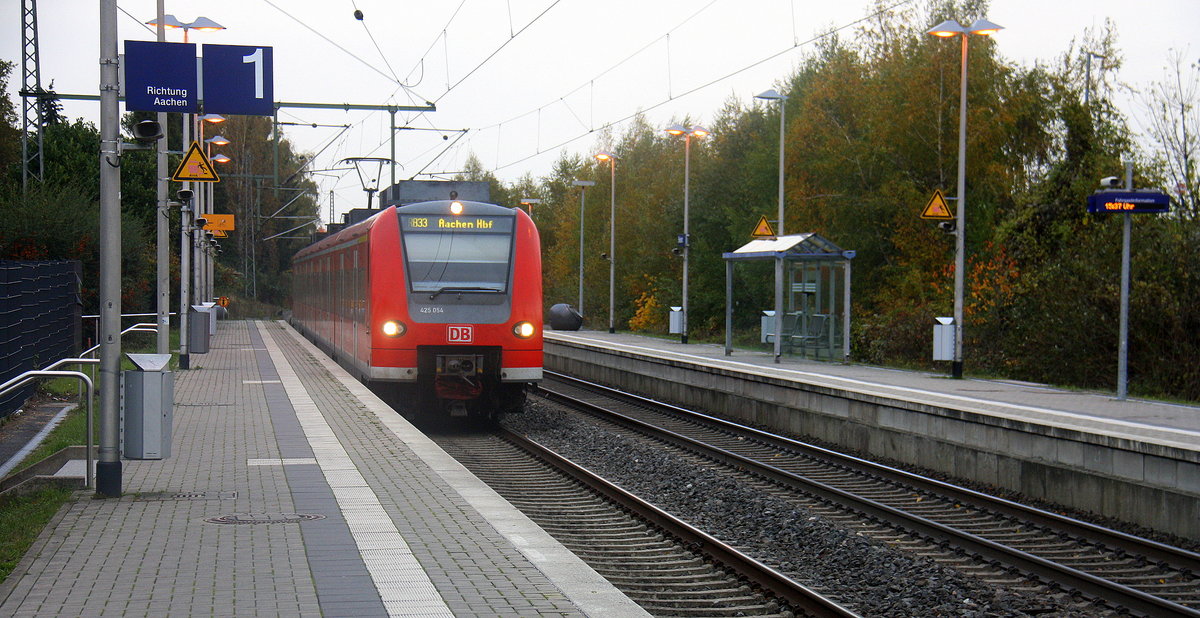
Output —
<point x="209" y="206"/>
<point x="528" y="203"/>
<point x="612" y="233"/>
<point x="687" y="133"/>
<point x="202" y="24"/>
<point x="773" y="95"/>
<point x="946" y="29"/>
<point x="583" y="185"/>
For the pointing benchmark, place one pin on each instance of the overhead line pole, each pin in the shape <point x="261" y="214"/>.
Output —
<point x="108" y="468"/>
<point x="162" y="253"/>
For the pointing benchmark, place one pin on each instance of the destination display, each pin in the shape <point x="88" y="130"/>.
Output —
<point x="1129" y="201"/>
<point x="160" y="77"/>
<point x="451" y="223"/>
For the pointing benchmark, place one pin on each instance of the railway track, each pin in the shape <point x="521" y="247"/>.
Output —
<point x="1000" y="541"/>
<point x="663" y="564"/>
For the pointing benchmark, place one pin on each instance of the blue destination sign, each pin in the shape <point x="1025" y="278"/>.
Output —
<point x="239" y="80"/>
<point x="1129" y="201"/>
<point x="160" y="77"/>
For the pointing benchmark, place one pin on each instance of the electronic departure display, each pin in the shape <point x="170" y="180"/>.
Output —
<point x="1129" y="201"/>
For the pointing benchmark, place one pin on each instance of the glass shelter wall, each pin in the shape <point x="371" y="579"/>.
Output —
<point x="816" y="295"/>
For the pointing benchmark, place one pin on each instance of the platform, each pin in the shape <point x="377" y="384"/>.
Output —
<point x="1134" y="459"/>
<point x="292" y="490"/>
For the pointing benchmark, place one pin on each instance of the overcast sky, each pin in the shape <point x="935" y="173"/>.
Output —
<point x="558" y="69"/>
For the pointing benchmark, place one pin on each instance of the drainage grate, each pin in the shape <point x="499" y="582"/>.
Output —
<point x="264" y="518"/>
<point x="187" y="495"/>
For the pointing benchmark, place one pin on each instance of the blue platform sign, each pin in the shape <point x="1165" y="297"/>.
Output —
<point x="1129" y="201"/>
<point x="238" y="79"/>
<point x="160" y="77"/>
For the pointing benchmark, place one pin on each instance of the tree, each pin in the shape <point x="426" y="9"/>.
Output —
<point x="10" y="135"/>
<point x="1174" y="118"/>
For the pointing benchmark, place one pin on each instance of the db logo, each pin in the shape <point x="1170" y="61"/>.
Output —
<point x="460" y="333"/>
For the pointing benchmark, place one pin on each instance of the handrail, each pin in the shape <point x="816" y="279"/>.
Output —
<point x="140" y="327"/>
<point x="30" y="375"/>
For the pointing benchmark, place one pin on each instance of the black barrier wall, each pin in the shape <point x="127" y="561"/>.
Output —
<point x="40" y="314"/>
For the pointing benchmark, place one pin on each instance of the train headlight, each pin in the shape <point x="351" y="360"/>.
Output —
<point x="524" y="330"/>
<point x="456" y="208"/>
<point x="392" y="328"/>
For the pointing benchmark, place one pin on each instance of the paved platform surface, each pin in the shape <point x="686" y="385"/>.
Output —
<point x="266" y="429"/>
<point x="1164" y="423"/>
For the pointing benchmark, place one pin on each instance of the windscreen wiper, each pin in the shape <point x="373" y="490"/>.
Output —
<point x="455" y="288"/>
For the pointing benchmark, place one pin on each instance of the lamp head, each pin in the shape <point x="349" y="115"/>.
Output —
<point x="770" y="95"/>
<point x="169" y="21"/>
<point x="947" y="29"/>
<point x="604" y="155"/>
<point x="985" y="27"/>
<point x="675" y="129"/>
<point x="204" y="24"/>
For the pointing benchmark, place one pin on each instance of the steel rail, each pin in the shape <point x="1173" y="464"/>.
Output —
<point x="1176" y="557"/>
<point x="776" y="583"/>
<point x="1087" y="583"/>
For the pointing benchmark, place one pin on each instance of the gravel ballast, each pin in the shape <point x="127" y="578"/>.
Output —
<point x="861" y="573"/>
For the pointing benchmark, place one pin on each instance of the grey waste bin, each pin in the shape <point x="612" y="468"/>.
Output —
<point x="943" y="339"/>
<point x="211" y="308"/>
<point x="675" y="322"/>
<point x="147" y="401"/>
<point x="198" y="331"/>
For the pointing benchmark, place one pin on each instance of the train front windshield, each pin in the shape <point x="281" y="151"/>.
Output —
<point x="457" y="253"/>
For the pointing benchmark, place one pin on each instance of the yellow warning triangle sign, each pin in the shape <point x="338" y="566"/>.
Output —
<point x="937" y="208"/>
<point x="195" y="167"/>
<point x="763" y="229"/>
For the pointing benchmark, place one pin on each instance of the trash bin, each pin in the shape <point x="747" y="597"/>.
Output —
<point x="147" y="401"/>
<point x="675" y="321"/>
<point x="943" y="339"/>
<point x="211" y="308"/>
<point x="767" y="326"/>
<point x="198" y="330"/>
<point x="565" y="317"/>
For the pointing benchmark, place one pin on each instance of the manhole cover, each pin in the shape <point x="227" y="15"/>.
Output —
<point x="263" y="518"/>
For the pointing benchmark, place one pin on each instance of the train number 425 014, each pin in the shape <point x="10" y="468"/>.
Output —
<point x="432" y="310"/>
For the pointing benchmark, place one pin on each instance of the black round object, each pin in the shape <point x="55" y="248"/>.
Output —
<point x="565" y="317"/>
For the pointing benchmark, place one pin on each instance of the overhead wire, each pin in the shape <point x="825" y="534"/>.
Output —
<point x="496" y="51"/>
<point x="391" y="78"/>
<point x="717" y="80"/>
<point x="358" y="15"/>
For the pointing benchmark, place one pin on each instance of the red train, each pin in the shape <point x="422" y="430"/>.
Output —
<point x="436" y="305"/>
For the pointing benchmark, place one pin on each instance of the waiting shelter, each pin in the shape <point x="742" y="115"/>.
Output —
<point x="811" y="312"/>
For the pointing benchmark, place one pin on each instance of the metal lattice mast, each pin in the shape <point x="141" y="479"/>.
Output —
<point x="31" y="92"/>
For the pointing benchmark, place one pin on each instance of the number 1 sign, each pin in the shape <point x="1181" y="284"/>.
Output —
<point x="238" y="79"/>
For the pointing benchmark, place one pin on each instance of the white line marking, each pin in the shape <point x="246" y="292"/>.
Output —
<point x="402" y="583"/>
<point x="293" y="461"/>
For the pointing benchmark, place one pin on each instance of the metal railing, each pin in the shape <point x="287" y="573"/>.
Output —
<point x="49" y="373"/>
<point x="140" y="327"/>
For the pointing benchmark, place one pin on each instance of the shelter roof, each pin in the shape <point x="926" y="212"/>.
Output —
<point x="808" y="246"/>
